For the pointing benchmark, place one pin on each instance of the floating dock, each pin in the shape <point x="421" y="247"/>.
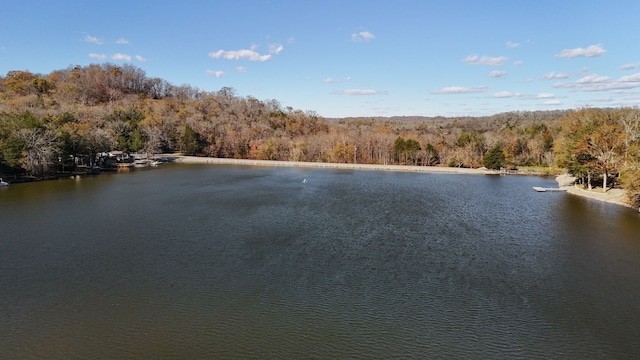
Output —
<point x="542" y="189"/>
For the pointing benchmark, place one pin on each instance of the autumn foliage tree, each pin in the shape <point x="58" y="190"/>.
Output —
<point x="592" y="144"/>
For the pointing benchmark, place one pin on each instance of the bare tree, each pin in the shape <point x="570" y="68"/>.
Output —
<point x="39" y="149"/>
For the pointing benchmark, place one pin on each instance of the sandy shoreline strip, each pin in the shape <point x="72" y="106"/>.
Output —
<point x="405" y="168"/>
<point x="613" y="196"/>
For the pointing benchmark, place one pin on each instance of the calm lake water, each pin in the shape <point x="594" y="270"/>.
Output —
<point x="208" y="262"/>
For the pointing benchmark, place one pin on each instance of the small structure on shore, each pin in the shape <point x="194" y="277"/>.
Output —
<point x="115" y="159"/>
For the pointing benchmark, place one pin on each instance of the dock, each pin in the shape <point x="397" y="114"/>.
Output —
<point x="543" y="189"/>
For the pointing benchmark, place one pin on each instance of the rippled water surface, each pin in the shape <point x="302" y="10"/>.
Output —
<point x="238" y="262"/>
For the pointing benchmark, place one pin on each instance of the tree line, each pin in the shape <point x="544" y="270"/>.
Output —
<point x="56" y="122"/>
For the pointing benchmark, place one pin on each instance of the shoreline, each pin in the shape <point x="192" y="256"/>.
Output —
<point x="613" y="196"/>
<point x="320" y="165"/>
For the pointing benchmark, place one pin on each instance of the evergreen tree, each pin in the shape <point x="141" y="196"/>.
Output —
<point x="494" y="158"/>
<point x="190" y="141"/>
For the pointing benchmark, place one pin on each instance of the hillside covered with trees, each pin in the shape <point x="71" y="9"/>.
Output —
<point x="55" y="123"/>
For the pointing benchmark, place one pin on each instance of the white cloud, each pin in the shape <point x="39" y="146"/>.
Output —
<point x="121" y="57"/>
<point x="117" y="57"/>
<point x="275" y="49"/>
<point x="247" y="54"/>
<point x="552" y="75"/>
<point x="595" y="82"/>
<point x="362" y="36"/>
<point x="498" y="74"/>
<point x="517" y="63"/>
<point x="506" y="94"/>
<point x="98" y="56"/>
<point x="631" y="78"/>
<point x="358" y="92"/>
<point x="460" y="90"/>
<point x="593" y="78"/>
<point x="589" y="51"/>
<point x="93" y="40"/>
<point x="330" y="80"/>
<point x="485" y="60"/>
<point x="241" y="69"/>
<point x="630" y="66"/>
<point x="216" y="73"/>
<point x="545" y="96"/>
<point x="122" y="41"/>
<point x="511" y="44"/>
<point x="244" y="54"/>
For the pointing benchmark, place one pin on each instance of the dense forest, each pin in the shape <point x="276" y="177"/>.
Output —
<point x="58" y="122"/>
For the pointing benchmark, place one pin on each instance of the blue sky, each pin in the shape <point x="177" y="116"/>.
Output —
<point x="350" y="58"/>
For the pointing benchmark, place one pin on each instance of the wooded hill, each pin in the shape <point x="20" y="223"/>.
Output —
<point x="50" y="123"/>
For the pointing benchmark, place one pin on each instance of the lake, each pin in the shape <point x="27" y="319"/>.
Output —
<point x="216" y="261"/>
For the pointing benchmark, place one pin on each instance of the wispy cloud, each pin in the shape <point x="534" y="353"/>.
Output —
<point x="98" y="56"/>
<point x="362" y="36"/>
<point x="507" y="94"/>
<point x="595" y="82"/>
<point x="332" y="80"/>
<point x="121" y="57"/>
<point x="545" y="96"/>
<point x="630" y="66"/>
<point x="460" y="90"/>
<point x="359" y="92"/>
<point x="122" y="41"/>
<point x="512" y="45"/>
<point x="552" y="102"/>
<point x="92" y="40"/>
<point x="498" y="74"/>
<point x="552" y="75"/>
<point x="241" y="69"/>
<point x="275" y="49"/>
<point x="589" y="51"/>
<point x="216" y="73"/>
<point x="247" y="54"/>
<point x="117" y="57"/>
<point x="485" y="60"/>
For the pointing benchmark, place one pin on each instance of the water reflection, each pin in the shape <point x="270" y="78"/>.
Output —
<point x="223" y="261"/>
